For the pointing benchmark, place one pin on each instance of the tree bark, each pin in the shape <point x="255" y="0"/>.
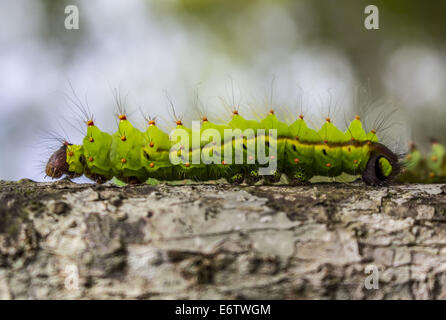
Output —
<point x="219" y="241"/>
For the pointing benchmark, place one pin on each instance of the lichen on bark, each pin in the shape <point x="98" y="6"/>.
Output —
<point x="219" y="241"/>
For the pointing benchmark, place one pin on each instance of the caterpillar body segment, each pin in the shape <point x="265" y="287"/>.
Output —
<point x="96" y="153"/>
<point x="209" y="152"/>
<point x="421" y="168"/>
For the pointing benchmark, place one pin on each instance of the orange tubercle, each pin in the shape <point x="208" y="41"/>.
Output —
<point x="434" y="158"/>
<point x="271" y="112"/>
<point x="373" y="131"/>
<point x="301" y="117"/>
<point x="90" y="123"/>
<point x="151" y="144"/>
<point x="151" y="122"/>
<point x="70" y="154"/>
<point x="90" y="159"/>
<point x="328" y="119"/>
<point x="151" y="164"/>
<point x="357" y="117"/>
<point x="123" y="160"/>
<point x="123" y="138"/>
<point x="296" y="160"/>
<point x="91" y="139"/>
<point x="329" y="165"/>
<point x="235" y="112"/>
<point x="187" y="164"/>
<point x="204" y="119"/>
<point x="355" y="161"/>
<point x="122" y="117"/>
<point x="179" y="123"/>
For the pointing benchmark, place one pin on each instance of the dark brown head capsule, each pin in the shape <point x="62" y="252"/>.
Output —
<point x="57" y="164"/>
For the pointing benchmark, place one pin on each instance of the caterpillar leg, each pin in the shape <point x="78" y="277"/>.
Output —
<point x="253" y="176"/>
<point x="131" y="180"/>
<point x="275" y="177"/>
<point x="97" y="178"/>
<point x="297" y="176"/>
<point x="237" y="178"/>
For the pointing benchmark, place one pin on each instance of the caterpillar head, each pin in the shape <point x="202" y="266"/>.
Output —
<point x="382" y="167"/>
<point x="57" y="164"/>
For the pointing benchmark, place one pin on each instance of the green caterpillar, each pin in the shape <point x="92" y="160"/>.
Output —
<point x="418" y="168"/>
<point x="297" y="151"/>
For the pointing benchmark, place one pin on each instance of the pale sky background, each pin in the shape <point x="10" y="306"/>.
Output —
<point x="145" y="48"/>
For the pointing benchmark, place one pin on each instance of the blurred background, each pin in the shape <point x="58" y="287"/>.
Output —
<point x="311" y="56"/>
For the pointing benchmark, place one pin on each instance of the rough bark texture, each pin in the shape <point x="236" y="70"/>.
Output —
<point x="218" y="241"/>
